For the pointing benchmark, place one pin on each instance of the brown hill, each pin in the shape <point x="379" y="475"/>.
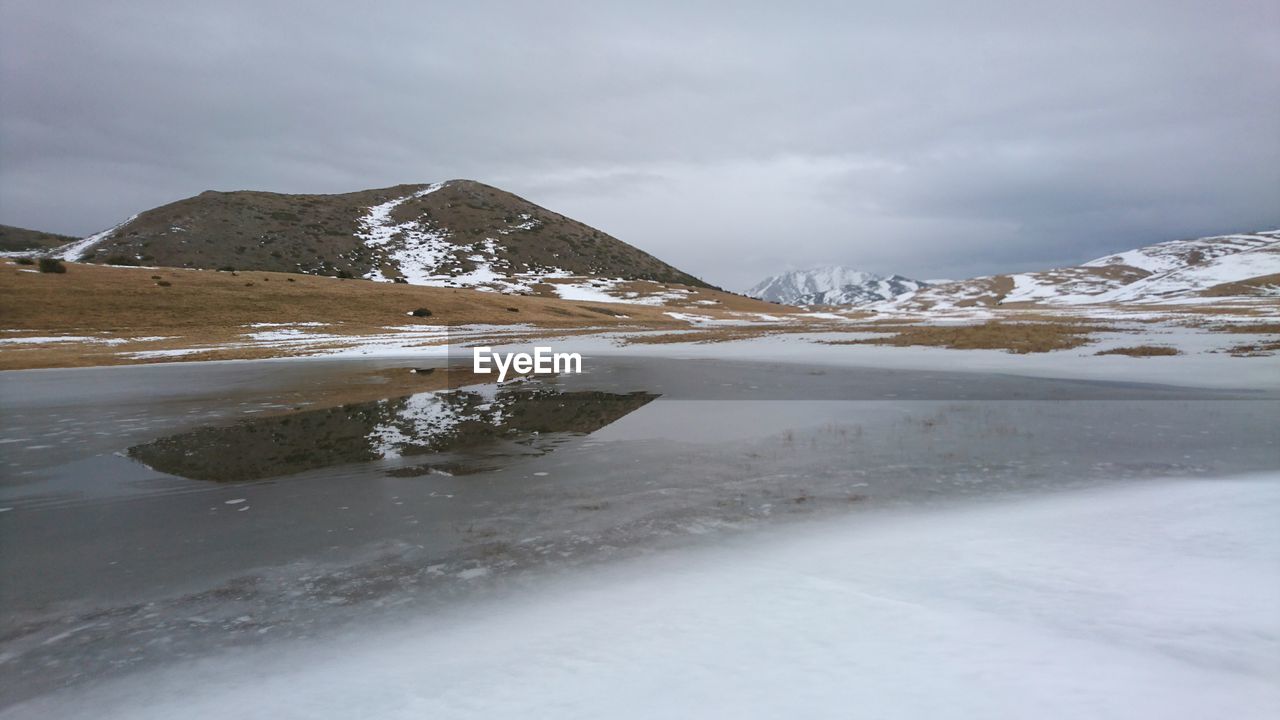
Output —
<point x="16" y="239"/>
<point x="457" y="233"/>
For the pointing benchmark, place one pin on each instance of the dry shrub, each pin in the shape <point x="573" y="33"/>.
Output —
<point x="51" y="265"/>
<point x="1142" y="351"/>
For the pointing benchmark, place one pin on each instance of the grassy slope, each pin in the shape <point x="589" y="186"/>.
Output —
<point x="201" y="307"/>
<point x="204" y="306"/>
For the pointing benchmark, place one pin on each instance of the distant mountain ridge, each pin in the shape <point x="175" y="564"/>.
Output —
<point x="16" y="239"/>
<point x="832" y="285"/>
<point x="1239" y="265"/>
<point x="458" y="233"/>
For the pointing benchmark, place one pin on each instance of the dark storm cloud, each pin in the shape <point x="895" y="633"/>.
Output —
<point x="933" y="139"/>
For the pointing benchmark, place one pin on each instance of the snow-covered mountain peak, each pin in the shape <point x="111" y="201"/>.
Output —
<point x="832" y="285"/>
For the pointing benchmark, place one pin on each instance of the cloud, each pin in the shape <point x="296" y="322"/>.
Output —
<point x="730" y="139"/>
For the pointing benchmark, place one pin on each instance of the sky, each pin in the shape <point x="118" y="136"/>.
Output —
<point x="733" y="140"/>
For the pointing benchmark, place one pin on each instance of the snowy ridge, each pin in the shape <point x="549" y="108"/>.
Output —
<point x="832" y="285"/>
<point x="1197" y="278"/>
<point x="1169" y="256"/>
<point x="72" y="252"/>
<point x="1166" y="272"/>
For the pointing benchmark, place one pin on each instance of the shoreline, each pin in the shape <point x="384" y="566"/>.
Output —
<point x="845" y="610"/>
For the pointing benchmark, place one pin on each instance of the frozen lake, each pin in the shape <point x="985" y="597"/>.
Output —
<point x="177" y="512"/>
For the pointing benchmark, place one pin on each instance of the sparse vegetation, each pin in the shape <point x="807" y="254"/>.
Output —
<point x="602" y="311"/>
<point x="1252" y="328"/>
<point x="1261" y="349"/>
<point x="25" y="261"/>
<point x="992" y="335"/>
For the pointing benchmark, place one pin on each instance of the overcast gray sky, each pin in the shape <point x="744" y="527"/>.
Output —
<point x="734" y="140"/>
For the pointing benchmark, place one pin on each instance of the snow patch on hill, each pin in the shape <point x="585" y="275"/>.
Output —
<point x="416" y="250"/>
<point x="425" y="255"/>
<point x="71" y="252"/>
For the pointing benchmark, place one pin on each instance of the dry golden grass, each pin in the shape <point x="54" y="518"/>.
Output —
<point x="112" y="299"/>
<point x="712" y="335"/>
<point x="209" y="311"/>
<point x="119" y="299"/>
<point x="204" y="308"/>
<point x="1020" y="337"/>
<point x="1142" y="351"/>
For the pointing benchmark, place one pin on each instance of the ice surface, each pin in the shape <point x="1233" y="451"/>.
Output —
<point x="1150" y="600"/>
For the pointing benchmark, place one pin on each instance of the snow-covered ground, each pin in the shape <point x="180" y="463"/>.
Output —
<point x="1204" y="362"/>
<point x="1142" y="600"/>
<point x="1202" y="365"/>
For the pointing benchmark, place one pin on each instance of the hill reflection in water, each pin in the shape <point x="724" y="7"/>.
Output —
<point x="421" y="424"/>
